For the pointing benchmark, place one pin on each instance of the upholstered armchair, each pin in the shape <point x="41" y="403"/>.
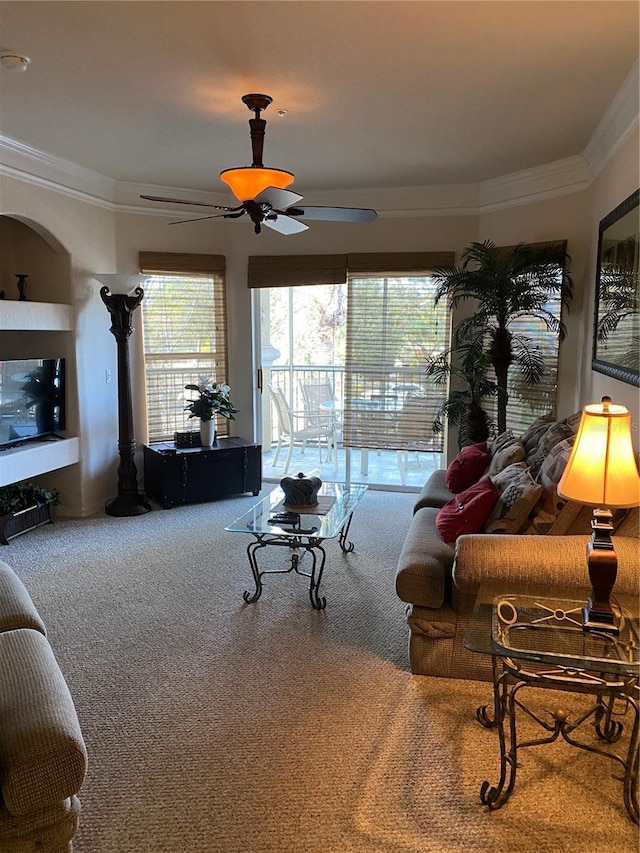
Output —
<point x="43" y="757"/>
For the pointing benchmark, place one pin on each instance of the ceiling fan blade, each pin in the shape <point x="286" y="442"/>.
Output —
<point x="277" y="197"/>
<point x="182" y="201"/>
<point x="213" y="216"/>
<point x="336" y="214"/>
<point x="285" y="225"/>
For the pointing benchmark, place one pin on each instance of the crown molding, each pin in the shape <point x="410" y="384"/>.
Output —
<point x="53" y="186"/>
<point x="620" y="119"/>
<point x="551" y="180"/>
<point x="562" y="177"/>
<point x="26" y="163"/>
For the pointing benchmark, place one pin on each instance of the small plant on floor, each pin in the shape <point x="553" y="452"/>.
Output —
<point x="19" y="496"/>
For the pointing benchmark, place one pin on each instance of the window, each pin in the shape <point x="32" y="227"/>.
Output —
<point x="392" y="326"/>
<point x="361" y="326"/>
<point x="185" y="335"/>
<point x="527" y="402"/>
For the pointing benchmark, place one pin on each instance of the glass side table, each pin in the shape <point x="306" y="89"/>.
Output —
<point x="536" y="639"/>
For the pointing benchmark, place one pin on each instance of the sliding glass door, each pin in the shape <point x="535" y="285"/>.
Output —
<point x="348" y="362"/>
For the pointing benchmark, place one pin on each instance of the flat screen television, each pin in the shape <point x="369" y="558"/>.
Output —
<point x="32" y="399"/>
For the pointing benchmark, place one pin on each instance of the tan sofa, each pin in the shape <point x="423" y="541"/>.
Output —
<point x="439" y="582"/>
<point x="43" y="758"/>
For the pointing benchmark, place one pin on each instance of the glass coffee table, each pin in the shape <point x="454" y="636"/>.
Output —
<point x="304" y="536"/>
<point x="536" y="639"/>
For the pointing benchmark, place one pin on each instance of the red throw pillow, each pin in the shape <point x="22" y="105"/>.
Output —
<point x="468" y="511"/>
<point x="467" y="468"/>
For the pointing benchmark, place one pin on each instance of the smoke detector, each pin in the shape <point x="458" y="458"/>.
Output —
<point x="13" y="60"/>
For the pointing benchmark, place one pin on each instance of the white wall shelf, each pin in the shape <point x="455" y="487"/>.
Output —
<point x="35" y="316"/>
<point x="37" y="457"/>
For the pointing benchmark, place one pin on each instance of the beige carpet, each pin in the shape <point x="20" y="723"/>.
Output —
<point x="218" y="727"/>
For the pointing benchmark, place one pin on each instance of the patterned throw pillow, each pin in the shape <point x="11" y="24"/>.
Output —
<point x="467" y="468"/>
<point x="552" y="469"/>
<point x="500" y="441"/>
<point x="573" y="421"/>
<point x="468" y="511"/>
<point x="532" y="435"/>
<point x="555" y="462"/>
<point x="554" y="435"/>
<point x="518" y="496"/>
<point x="511" y="451"/>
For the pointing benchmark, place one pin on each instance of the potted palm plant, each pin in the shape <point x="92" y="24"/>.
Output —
<point x="213" y="399"/>
<point x="23" y="507"/>
<point x="464" y="369"/>
<point x="506" y="285"/>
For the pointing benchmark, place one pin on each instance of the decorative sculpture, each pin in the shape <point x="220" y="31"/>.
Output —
<point x="301" y="490"/>
<point x="22" y="286"/>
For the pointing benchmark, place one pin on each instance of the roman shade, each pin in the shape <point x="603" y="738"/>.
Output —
<point x="397" y="262"/>
<point x="296" y="270"/>
<point x="301" y="270"/>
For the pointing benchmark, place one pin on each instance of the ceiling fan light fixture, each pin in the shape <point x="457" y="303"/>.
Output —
<point x="246" y="182"/>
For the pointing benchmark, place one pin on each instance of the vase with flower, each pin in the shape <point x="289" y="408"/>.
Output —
<point x="213" y="399"/>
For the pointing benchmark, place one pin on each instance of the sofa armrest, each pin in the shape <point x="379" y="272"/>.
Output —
<point x="434" y="492"/>
<point x="546" y="560"/>
<point x="17" y="610"/>
<point x="423" y="575"/>
<point x="42" y="753"/>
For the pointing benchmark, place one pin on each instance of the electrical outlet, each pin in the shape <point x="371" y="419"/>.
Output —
<point x="107" y="376"/>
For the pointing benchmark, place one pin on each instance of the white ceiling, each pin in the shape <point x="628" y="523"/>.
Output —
<point x="379" y="94"/>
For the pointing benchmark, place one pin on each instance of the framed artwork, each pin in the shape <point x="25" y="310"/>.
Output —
<point x="616" y="334"/>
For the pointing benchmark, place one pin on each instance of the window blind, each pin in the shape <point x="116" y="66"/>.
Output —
<point x="184" y="333"/>
<point x="527" y="402"/>
<point x="392" y="326"/>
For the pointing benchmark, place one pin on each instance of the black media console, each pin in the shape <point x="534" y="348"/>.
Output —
<point x="186" y="475"/>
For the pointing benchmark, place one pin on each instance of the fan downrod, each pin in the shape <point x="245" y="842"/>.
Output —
<point x="257" y="103"/>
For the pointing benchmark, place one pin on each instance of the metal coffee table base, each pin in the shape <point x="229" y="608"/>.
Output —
<point x="306" y="544"/>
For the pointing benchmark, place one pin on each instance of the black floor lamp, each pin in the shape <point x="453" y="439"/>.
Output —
<point x="121" y="305"/>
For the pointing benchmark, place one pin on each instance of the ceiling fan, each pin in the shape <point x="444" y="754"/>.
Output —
<point x="262" y="191"/>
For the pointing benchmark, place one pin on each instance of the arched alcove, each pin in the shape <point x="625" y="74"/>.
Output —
<point x="29" y="249"/>
<point x="40" y="325"/>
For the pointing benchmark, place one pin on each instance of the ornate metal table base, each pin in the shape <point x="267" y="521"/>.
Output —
<point x="297" y="544"/>
<point x="509" y="679"/>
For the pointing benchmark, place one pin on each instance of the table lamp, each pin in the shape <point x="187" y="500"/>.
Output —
<point x="602" y="473"/>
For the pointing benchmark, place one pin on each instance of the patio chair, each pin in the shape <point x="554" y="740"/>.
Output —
<point x="314" y="394"/>
<point x="414" y="431"/>
<point x="320" y="407"/>
<point x="289" y="435"/>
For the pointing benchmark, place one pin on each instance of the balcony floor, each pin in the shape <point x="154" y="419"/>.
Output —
<point x="383" y="466"/>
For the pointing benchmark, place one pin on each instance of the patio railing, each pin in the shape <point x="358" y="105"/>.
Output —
<point x="395" y="385"/>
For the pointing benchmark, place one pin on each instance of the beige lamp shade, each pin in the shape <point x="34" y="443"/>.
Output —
<point x="247" y="182"/>
<point x="602" y="469"/>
